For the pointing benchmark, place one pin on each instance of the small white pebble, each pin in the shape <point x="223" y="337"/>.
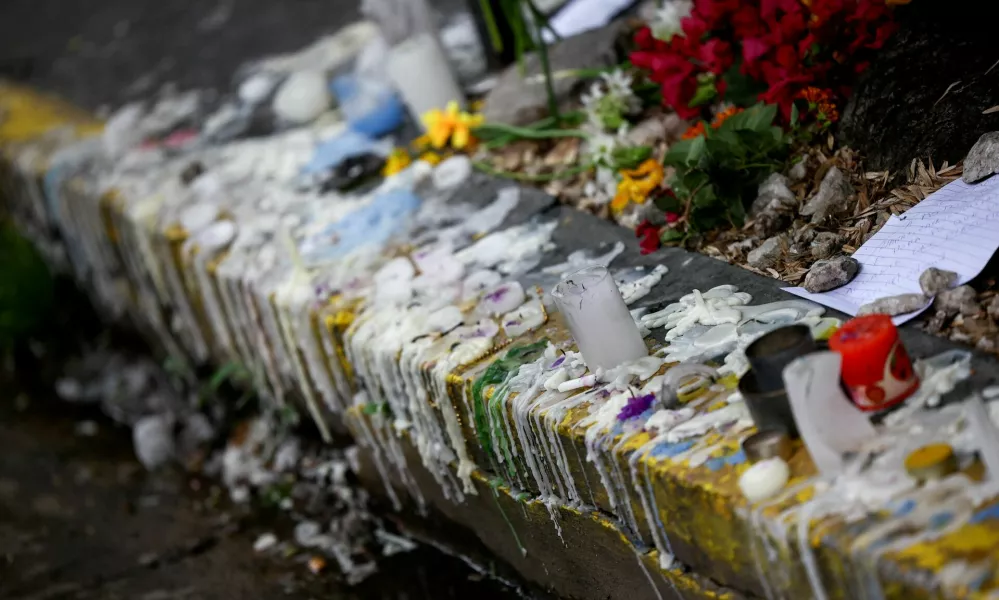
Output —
<point x="86" y="429"/>
<point x="265" y="542"/>
<point x="560" y="377"/>
<point x="764" y="479"/>
<point x="991" y="392"/>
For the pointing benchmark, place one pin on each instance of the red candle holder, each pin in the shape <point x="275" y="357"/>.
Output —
<point x="876" y="369"/>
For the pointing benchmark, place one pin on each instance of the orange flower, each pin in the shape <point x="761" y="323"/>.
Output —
<point x="814" y="95"/>
<point x="827" y="111"/>
<point x="693" y="131"/>
<point x="638" y="184"/>
<point x="724" y="116"/>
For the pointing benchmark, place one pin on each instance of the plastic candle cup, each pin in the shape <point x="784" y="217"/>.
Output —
<point x="598" y="318"/>
<point x="771" y="352"/>
<point x="876" y="368"/>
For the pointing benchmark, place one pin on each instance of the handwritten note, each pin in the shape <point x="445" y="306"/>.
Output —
<point x="956" y="228"/>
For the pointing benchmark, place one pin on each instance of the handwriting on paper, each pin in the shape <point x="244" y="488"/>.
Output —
<point x="956" y="229"/>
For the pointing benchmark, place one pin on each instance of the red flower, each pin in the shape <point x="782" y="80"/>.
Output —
<point x="648" y="236"/>
<point x="672" y="217"/>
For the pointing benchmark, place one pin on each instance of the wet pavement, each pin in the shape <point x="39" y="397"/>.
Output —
<point x="81" y="518"/>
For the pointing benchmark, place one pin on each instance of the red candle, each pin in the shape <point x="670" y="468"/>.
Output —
<point x="876" y="368"/>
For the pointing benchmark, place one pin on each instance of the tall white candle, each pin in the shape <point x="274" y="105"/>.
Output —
<point x="598" y="318"/>
<point x="419" y="69"/>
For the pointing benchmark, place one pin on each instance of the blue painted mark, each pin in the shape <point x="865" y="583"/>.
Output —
<point x="941" y="519"/>
<point x="736" y="459"/>
<point x="716" y="463"/>
<point x="977" y="583"/>
<point x="670" y="450"/>
<point x="986" y="514"/>
<point x="904" y="508"/>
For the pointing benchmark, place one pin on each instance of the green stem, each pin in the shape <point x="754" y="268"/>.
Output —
<point x="494" y="35"/>
<point x="538" y="17"/>
<point x="486" y="168"/>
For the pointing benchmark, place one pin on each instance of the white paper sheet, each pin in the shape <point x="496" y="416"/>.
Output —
<point x="956" y="229"/>
<point x="578" y="16"/>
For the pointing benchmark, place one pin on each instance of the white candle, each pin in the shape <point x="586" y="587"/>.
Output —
<point x="598" y="318"/>
<point x="422" y="74"/>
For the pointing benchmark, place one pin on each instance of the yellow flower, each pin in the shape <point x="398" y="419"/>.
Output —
<point x="450" y="125"/>
<point x="398" y="160"/>
<point x="430" y="158"/>
<point x="637" y="184"/>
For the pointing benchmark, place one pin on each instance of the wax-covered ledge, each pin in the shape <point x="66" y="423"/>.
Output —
<point x="391" y="307"/>
<point x="587" y="557"/>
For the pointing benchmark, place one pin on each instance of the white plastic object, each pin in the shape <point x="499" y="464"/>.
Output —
<point x="764" y="479"/>
<point x="599" y="319"/>
<point x="420" y="71"/>
<point x="829" y="423"/>
<point x="986" y="436"/>
<point x="302" y="97"/>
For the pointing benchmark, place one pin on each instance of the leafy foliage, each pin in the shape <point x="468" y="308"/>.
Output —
<point x="26" y="288"/>
<point x="716" y="172"/>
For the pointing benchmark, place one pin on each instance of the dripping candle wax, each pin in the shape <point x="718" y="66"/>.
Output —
<point x="876" y="368"/>
<point x="598" y="318"/>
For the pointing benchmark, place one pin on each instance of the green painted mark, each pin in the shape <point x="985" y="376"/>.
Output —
<point x="495" y="485"/>
<point x="496" y="374"/>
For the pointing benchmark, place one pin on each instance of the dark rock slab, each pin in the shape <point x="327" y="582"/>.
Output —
<point x="925" y="93"/>
<point x="520" y="98"/>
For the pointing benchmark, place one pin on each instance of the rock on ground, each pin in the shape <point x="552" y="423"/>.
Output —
<point x="767" y="254"/>
<point x="520" y="99"/>
<point x="894" y="305"/>
<point x="934" y="280"/>
<point x="773" y="195"/>
<point x="825" y="244"/>
<point x="830" y="274"/>
<point x="983" y="158"/>
<point x="993" y="308"/>
<point x="832" y="197"/>
<point x="962" y="300"/>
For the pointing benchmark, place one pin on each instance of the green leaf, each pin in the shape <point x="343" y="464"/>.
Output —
<point x="630" y="157"/>
<point x="370" y="408"/>
<point x="706" y="92"/>
<point x="668" y="203"/>
<point x="695" y="179"/>
<point x="686" y="152"/>
<point x="671" y="235"/>
<point x="794" y="114"/>
<point x="705" y="196"/>
<point x="742" y="90"/>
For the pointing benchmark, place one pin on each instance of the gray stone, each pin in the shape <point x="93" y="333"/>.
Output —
<point x="993" y="308"/>
<point x="152" y="438"/>
<point x="519" y="99"/>
<point x="983" y="158"/>
<point x="934" y="280"/>
<point x="962" y="300"/>
<point x="832" y="197"/>
<point x="894" y="305"/>
<point x="825" y="245"/>
<point x="767" y="254"/>
<point x="773" y="195"/>
<point x="800" y="169"/>
<point x="830" y="274"/>
<point x="648" y="132"/>
<point x="767" y="224"/>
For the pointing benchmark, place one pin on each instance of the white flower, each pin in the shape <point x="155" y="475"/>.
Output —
<point x="601" y="145"/>
<point x="601" y="190"/>
<point x="667" y="22"/>
<point x="610" y="100"/>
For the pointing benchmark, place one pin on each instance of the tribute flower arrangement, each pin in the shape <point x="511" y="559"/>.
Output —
<point x="767" y="50"/>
